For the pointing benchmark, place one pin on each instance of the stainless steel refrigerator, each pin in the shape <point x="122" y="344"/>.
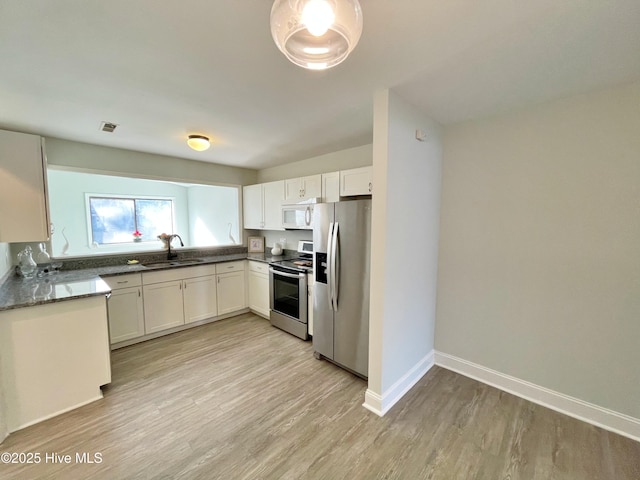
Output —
<point x="342" y="247"/>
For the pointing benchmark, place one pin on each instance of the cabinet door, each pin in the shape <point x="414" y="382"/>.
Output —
<point x="199" y="296"/>
<point x="252" y="206"/>
<point x="23" y="176"/>
<point x="126" y="314"/>
<point x="331" y="187"/>
<point x="293" y="190"/>
<point x="163" y="307"/>
<point x="312" y="186"/>
<point x="356" y="182"/>
<point x="231" y="292"/>
<point x="259" y="293"/>
<point x="273" y="196"/>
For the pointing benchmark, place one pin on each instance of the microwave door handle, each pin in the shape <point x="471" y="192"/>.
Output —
<point x="334" y="267"/>
<point x="329" y="240"/>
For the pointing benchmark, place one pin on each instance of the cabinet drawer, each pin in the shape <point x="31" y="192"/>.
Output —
<point x="259" y="267"/>
<point x="229" y="266"/>
<point x="124" y="281"/>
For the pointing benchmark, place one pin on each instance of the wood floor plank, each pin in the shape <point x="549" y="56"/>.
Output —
<point x="239" y="399"/>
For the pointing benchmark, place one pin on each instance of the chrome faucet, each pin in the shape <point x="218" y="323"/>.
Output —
<point x="170" y="255"/>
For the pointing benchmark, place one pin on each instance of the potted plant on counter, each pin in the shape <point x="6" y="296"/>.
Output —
<point x="137" y="236"/>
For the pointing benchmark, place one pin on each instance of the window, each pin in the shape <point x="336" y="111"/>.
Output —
<point x="115" y="219"/>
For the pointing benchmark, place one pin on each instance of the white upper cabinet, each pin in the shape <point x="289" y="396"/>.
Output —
<point x="299" y="189"/>
<point x="262" y="205"/>
<point x="24" y="212"/>
<point x="252" y="207"/>
<point x="273" y="195"/>
<point x="331" y="187"/>
<point x="357" y="181"/>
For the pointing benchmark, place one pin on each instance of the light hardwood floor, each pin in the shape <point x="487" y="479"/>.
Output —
<point x="239" y="399"/>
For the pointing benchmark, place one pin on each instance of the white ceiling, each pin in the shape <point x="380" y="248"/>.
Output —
<point x="164" y="69"/>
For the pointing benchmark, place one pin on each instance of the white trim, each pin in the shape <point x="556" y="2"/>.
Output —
<point x="595" y="415"/>
<point x="381" y="404"/>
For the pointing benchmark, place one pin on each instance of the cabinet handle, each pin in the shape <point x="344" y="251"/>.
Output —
<point x="218" y="279"/>
<point x="139" y="293"/>
<point x="185" y="285"/>
<point x="124" y="281"/>
<point x="370" y="187"/>
<point x="180" y="285"/>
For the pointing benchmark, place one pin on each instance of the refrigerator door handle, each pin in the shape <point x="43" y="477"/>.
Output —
<point x="334" y="267"/>
<point x="329" y="287"/>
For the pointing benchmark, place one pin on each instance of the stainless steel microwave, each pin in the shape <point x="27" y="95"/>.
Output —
<point x="298" y="216"/>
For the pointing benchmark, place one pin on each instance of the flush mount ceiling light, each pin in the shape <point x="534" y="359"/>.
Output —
<point x="316" y="34"/>
<point x="198" y="142"/>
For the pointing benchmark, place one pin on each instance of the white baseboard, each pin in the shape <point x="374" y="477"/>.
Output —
<point x="381" y="404"/>
<point x="574" y="407"/>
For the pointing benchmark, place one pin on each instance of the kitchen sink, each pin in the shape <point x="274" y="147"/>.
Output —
<point x="174" y="263"/>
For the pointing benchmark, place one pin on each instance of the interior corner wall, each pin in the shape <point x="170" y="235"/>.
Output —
<point x="66" y="153"/>
<point x="539" y="252"/>
<point x="330" y="162"/>
<point x="406" y="214"/>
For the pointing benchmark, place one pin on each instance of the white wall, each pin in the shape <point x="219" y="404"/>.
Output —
<point x="539" y="250"/>
<point x="107" y="159"/>
<point x="331" y="162"/>
<point x="67" y="191"/>
<point x="406" y="207"/>
<point x="213" y="220"/>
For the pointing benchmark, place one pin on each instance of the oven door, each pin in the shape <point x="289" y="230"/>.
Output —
<point x="288" y="292"/>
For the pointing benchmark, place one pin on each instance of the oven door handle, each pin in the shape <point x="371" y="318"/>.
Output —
<point x="284" y="274"/>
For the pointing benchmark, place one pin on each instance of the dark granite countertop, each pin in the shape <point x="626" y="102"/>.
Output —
<point x="18" y="292"/>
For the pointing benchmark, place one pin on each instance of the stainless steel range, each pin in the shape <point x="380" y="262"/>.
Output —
<point x="288" y="291"/>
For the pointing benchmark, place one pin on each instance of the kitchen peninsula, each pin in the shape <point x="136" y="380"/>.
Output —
<point x="53" y="357"/>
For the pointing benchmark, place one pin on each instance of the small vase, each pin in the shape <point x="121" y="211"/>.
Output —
<point x="137" y="239"/>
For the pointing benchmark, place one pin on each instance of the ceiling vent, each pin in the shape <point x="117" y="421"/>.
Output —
<point x="108" y="127"/>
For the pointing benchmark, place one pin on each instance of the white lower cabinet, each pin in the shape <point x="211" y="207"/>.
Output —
<point x="154" y="301"/>
<point x="126" y="314"/>
<point x="125" y="308"/>
<point x="231" y="292"/>
<point x="259" y="288"/>
<point x="163" y="306"/>
<point x="200" y="300"/>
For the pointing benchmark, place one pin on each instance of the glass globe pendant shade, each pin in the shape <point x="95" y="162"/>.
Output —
<point x="316" y="34"/>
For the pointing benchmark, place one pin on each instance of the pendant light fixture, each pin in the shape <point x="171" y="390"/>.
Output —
<point x="198" y="142"/>
<point x="316" y="34"/>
